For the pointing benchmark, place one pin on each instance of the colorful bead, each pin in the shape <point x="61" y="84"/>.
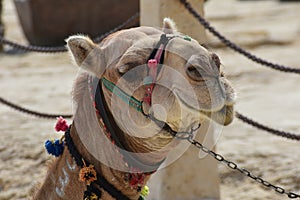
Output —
<point x="188" y="38"/>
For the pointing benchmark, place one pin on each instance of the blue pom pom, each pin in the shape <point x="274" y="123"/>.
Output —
<point x="54" y="148"/>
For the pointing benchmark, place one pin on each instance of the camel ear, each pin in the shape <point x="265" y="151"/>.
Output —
<point x="80" y="47"/>
<point x="86" y="53"/>
<point x="169" y="26"/>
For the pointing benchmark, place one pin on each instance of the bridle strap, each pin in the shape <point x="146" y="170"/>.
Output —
<point x="130" y="100"/>
<point x="154" y="63"/>
<point x="101" y="180"/>
<point x="113" y="128"/>
<point x="164" y="40"/>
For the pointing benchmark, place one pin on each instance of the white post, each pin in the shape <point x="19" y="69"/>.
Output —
<point x="189" y="177"/>
<point x="154" y="11"/>
<point x="192" y="176"/>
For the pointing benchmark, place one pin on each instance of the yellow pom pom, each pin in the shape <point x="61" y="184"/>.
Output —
<point x="145" y="191"/>
<point x="94" y="197"/>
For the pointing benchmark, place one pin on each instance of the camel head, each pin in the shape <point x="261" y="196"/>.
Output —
<point x="189" y="85"/>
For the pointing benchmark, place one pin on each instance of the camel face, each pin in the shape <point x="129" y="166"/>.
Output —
<point x="128" y="109"/>
<point x="213" y="96"/>
<point x="189" y="86"/>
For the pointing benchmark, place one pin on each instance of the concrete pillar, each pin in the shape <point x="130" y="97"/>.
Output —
<point x="194" y="176"/>
<point x="154" y="11"/>
<point x="1" y="24"/>
<point x="190" y="177"/>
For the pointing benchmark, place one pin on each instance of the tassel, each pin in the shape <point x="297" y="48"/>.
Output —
<point x="61" y="124"/>
<point x="92" y="194"/>
<point x="145" y="191"/>
<point x="136" y="178"/>
<point x="87" y="174"/>
<point x="54" y="148"/>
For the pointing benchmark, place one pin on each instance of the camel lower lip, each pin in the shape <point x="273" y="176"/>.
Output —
<point x="223" y="116"/>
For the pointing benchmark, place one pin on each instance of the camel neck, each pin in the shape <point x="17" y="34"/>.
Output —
<point x="100" y="182"/>
<point x="118" y="137"/>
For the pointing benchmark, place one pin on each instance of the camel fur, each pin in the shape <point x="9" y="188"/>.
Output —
<point x="190" y="88"/>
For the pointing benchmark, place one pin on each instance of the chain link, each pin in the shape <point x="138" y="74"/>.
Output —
<point x="234" y="46"/>
<point x="31" y="112"/>
<point x="243" y="171"/>
<point x="189" y="136"/>
<point x="32" y="48"/>
<point x="273" y="131"/>
<point x="61" y="49"/>
<point x="129" y="21"/>
<point x="179" y="135"/>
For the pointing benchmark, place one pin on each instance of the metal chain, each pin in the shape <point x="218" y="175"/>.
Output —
<point x="121" y="26"/>
<point x="234" y="46"/>
<point x="255" y="124"/>
<point x="244" y="171"/>
<point x="255" y="59"/>
<point x="189" y="136"/>
<point x="128" y="21"/>
<point x="240" y="116"/>
<point x="190" y="139"/>
<point x="32" y="48"/>
<point x="41" y="49"/>
<point x="31" y="112"/>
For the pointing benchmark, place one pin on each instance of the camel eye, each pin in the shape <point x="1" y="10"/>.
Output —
<point x="131" y="72"/>
<point x="123" y="69"/>
<point x="194" y="73"/>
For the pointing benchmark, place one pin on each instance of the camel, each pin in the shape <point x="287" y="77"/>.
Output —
<point x="136" y="91"/>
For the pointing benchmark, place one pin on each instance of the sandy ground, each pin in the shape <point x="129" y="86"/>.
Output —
<point x="267" y="28"/>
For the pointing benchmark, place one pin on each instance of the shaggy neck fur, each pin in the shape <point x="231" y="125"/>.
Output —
<point x="62" y="178"/>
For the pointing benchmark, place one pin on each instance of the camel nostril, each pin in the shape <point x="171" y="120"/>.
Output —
<point x="216" y="60"/>
<point x="222" y="87"/>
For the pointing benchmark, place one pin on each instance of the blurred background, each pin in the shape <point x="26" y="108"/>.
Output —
<point x="43" y="82"/>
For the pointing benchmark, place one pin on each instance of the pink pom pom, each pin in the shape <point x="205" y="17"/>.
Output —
<point x="61" y="124"/>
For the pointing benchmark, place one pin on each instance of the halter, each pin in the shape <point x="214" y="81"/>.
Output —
<point x="113" y="128"/>
<point x="95" y="181"/>
<point x="154" y="64"/>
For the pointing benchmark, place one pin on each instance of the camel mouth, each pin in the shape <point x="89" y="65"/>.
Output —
<point x="223" y="116"/>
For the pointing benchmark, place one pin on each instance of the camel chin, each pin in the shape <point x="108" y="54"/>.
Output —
<point x="223" y="116"/>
